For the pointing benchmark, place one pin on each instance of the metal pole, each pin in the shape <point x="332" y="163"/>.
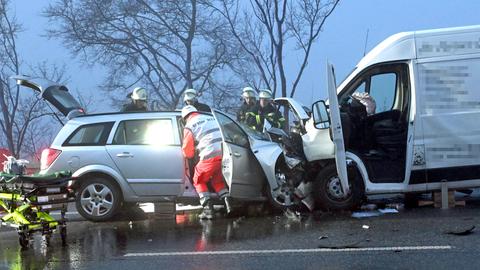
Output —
<point x="444" y="194"/>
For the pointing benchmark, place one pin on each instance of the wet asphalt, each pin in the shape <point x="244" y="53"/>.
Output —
<point x="410" y="239"/>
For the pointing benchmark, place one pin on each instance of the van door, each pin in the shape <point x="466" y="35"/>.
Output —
<point x="337" y="133"/>
<point x="240" y="168"/>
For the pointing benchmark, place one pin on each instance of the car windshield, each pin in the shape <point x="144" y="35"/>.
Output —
<point x="254" y="133"/>
<point x="236" y="132"/>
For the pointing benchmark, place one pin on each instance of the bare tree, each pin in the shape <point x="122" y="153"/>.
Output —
<point x="163" y="45"/>
<point x="265" y="29"/>
<point x="18" y="111"/>
<point x="22" y="122"/>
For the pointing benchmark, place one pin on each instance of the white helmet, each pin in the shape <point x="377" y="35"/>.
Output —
<point x="189" y="94"/>
<point x="139" y="93"/>
<point x="265" y="93"/>
<point x="248" y="92"/>
<point x="188" y="110"/>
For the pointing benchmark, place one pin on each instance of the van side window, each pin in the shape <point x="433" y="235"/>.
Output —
<point x="145" y="132"/>
<point x="93" y="134"/>
<point x="383" y="89"/>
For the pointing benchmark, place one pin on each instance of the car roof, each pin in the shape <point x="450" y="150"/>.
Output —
<point x="116" y="116"/>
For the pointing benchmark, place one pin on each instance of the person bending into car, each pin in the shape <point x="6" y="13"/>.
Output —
<point x="202" y="135"/>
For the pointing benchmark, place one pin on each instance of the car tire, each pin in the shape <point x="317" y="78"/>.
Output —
<point x="327" y="190"/>
<point x="98" y="199"/>
<point x="275" y="202"/>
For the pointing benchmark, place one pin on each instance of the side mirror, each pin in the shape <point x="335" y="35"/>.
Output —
<point x="321" y="118"/>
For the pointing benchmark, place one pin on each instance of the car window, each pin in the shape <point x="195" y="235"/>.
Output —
<point x="93" y="134"/>
<point x="145" y="132"/>
<point x="232" y="132"/>
<point x="382" y="89"/>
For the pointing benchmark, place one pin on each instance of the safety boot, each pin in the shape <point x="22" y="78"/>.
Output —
<point x="207" y="212"/>
<point x="228" y="205"/>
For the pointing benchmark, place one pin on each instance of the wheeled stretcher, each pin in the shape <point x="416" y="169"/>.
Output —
<point x="26" y="202"/>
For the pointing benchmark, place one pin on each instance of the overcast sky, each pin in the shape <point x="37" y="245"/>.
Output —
<point x="342" y="41"/>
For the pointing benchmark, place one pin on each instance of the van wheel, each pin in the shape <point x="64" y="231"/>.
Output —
<point x="328" y="193"/>
<point x="98" y="199"/>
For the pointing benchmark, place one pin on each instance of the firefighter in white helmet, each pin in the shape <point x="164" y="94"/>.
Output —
<point x="249" y="97"/>
<point x="138" y="101"/>
<point x="202" y="137"/>
<point x="265" y="111"/>
<point x="190" y="97"/>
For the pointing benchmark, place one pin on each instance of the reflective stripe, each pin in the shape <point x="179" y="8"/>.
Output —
<point x="204" y="194"/>
<point x="222" y="193"/>
<point x="212" y="155"/>
<point x="204" y="199"/>
<point x="208" y="132"/>
<point x="217" y="140"/>
<point x="258" y="118"/>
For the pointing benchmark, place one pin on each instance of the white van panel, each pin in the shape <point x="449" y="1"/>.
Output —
<point x="447" y="44"/>
<point x="449" y="108"/>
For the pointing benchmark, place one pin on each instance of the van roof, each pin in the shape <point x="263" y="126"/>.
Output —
<point x="425" y="44"/>
<point x="421" y="44"/>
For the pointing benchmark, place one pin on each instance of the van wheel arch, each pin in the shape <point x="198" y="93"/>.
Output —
<point x="324" y="199"/>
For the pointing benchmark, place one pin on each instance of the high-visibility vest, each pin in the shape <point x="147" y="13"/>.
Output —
<point x="207" y="134"/>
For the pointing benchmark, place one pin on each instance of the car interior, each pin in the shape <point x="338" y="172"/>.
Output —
<point x="378" y="134"/>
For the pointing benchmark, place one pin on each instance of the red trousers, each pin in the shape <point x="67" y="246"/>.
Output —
<point x="206" y="170"/>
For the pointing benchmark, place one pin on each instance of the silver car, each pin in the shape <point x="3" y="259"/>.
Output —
<point x="137" y="157"/>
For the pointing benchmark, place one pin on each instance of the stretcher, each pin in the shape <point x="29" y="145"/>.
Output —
<point x="26" y="202"/>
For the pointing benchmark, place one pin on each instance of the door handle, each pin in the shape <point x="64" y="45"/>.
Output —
<point x="237" y="154"/>
<point x="124" y="155"/>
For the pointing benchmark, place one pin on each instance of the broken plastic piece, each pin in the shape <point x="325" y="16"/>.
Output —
<point x="366" y="214"/>
<point x="388" y="211"/>
<point x="463" y="231"/>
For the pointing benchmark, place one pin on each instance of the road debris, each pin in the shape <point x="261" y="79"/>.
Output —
<point x="292" y="215"/>
<point x="348" y="245"/>
<point x="366" y="214"/>
<point x="461" y="231"/>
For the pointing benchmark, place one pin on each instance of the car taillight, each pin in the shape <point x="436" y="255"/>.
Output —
<point x="48" y="157"/>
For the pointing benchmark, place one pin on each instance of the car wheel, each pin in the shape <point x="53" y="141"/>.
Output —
<point x="328" y="192"/>
<point x="98" y="199"/>
<point x="283" y="197"/>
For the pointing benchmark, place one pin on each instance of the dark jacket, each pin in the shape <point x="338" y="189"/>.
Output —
<point x="130" y="107"/>
<point x="256" y="117"/>
<point x="242" y="112"/>
<point x="201" y="107"/>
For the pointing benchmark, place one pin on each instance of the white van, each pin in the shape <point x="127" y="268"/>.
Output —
<point x="425" y="127"/>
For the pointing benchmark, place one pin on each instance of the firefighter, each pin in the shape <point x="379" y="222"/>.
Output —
<point x="264" y="110"/>
<point x="202" y="136"/>
<point x="190" y="97"/>
<point x="138" y="101"/>
<point x="249" y="101"/>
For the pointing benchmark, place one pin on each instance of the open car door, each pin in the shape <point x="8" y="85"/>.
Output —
<point x="240" y="168"/>
<point x="337" y="133"/>
<point x="55" y="93"/>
